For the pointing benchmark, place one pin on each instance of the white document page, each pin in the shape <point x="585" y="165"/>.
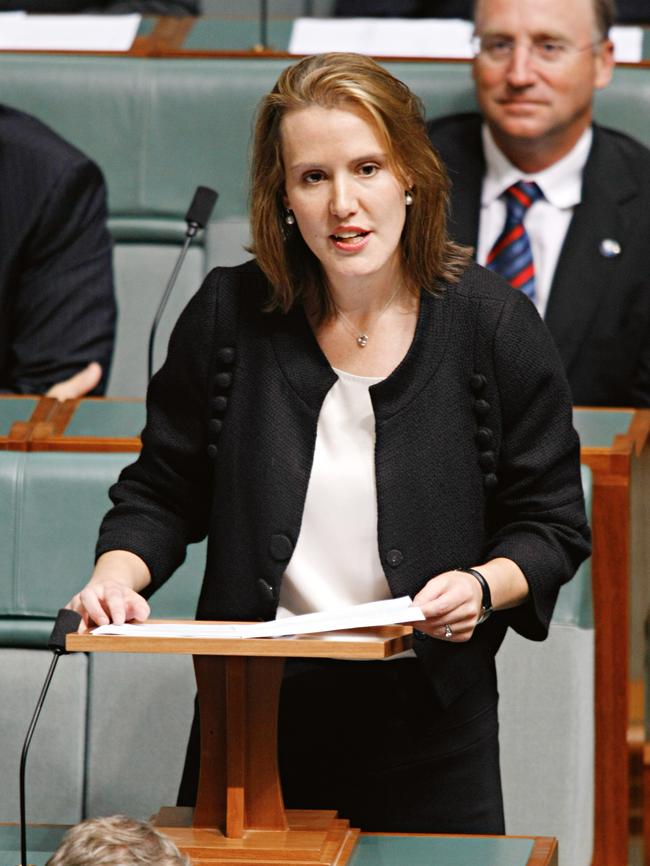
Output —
<point x="383" y="37"/>
<point x="67" y="32"/>
<point x="628" y="43"/>
<point x="389" y="612"/>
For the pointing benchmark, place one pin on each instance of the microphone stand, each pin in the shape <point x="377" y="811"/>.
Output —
<point x="197" y="217"/>
<point x="23" y="759"/>
<point x="67" y="621"/>
<point x="189" y="236"/>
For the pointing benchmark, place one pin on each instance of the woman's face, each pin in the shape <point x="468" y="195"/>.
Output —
<point x="348" y="203"/>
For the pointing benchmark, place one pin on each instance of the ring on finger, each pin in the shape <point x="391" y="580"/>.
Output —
<point x="448" y="632"/>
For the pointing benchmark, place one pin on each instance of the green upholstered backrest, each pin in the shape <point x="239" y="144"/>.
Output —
<point x="51" y="505"/>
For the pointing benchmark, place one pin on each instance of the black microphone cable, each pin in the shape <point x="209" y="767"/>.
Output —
<point x="196" y="218"/>
<point x="67" y="622"/>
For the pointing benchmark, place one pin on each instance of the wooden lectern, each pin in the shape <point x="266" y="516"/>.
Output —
<point x="240" y="817"/>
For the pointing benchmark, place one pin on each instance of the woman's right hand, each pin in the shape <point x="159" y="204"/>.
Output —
<point x="112" y="593"/>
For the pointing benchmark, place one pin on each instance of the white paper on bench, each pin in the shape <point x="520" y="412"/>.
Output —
<point x="388" y="612"/>
<point x="68" y="32"/>
<point x="383" y="37"/>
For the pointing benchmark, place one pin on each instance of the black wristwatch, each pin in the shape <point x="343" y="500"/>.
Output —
<point x="486" y="605"/>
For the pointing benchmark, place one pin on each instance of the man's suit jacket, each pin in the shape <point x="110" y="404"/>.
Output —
<point x="57" y="309"/>
<point x="599" y="307"/>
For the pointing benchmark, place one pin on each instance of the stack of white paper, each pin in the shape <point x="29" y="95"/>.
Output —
<point x="389" y="612"/>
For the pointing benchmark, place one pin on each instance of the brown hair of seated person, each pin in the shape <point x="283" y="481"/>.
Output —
<point x="337" y="80"/>
<point x="116" y="841"/>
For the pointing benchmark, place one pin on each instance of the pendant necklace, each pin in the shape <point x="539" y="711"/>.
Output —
<point x="362" y="337"/>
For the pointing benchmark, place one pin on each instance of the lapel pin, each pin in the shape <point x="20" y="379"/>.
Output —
<point x="609" y="248"/>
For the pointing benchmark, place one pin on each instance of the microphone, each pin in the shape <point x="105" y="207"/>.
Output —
<point x="67" y="621"/>
<point x="196" y="218"/>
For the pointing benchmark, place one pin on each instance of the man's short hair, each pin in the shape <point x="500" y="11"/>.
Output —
<point x="116" y="841"/>
<point x="604" y="14"/>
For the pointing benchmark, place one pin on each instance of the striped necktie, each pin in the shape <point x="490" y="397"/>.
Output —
<point x="511" y="255"/>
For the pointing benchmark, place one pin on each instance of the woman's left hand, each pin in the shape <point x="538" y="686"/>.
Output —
<point x="451" y="602"/>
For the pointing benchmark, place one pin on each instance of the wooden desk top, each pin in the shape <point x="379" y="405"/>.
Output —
<point x="360" y="644"/>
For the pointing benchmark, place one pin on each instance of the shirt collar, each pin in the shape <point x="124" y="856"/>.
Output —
<point x="561" y="182"/>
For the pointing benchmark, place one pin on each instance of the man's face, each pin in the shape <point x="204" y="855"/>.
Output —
<point x="539" y="63"/>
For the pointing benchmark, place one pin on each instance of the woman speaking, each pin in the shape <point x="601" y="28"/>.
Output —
<point x="359" y="412"/>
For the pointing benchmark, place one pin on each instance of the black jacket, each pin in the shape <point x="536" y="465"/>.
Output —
<point x="599" y="308"/>
<point x="475" y="455"/>
<point x="57" y="309"/>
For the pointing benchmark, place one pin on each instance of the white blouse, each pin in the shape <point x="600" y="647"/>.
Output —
<point x="336" y="560"/>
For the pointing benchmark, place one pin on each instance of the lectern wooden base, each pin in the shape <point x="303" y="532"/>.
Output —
<point x="314" y="838"/>
<point x="240" y="819"/>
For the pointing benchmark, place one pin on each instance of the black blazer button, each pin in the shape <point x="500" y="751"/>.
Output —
<point x="266" y="590"/>
<point x="280" y="547"/>
<point x="420" y="635"/>
<point x="487" y="461"/>
<point x="219" y="404"/>
<point x="490" y="481"/>
<point x="481" y="407"/>
<point x="394" y="557"/>
<point x="484" y="436"/>
<point x="212" y="451"/>
<point x="477" y="382"/>
<point x="223" y="380"/>
<point x="215" y="426"/>
<point x="226" y="355"/>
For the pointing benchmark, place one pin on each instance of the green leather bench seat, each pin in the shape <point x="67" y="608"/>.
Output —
<point x="159" y="128"/>
<point x="50" y="508"/>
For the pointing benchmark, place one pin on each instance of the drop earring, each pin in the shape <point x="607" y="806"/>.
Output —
<point x="289" y="218"/>
<point x="408" y="198"/>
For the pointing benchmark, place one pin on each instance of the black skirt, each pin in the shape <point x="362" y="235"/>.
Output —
<point x="370" y="740"/>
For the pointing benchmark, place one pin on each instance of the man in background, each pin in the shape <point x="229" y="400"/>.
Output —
<point x="57" y="307"/>
<point x="557" y="204"/>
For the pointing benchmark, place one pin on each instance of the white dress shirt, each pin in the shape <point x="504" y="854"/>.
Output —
<point x="547" y="219"/>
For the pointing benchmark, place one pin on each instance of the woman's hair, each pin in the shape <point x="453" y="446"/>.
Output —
<point x="336" y="81"/>
<point x="116" y="841"/>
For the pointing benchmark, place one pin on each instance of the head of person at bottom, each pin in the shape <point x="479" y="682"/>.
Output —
<point x="536" y="68"/>
<point x="116" y="841"/>
<point x="347" y="192"/>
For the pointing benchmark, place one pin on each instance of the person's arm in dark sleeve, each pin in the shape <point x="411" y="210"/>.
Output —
<point x="162" y="501"/>
<point x="537" y="517"/>
<point x="63" y="311"/>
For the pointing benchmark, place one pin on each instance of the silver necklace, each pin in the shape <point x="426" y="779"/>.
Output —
<point x="362" y="337"/>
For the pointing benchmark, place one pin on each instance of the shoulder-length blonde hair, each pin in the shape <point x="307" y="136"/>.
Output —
<point x="332" y="80"/>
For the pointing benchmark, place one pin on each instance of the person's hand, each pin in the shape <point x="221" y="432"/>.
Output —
<point x="451" y="603"/>
<point x="111" y="595"/>
<point x="79" y="385"/>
